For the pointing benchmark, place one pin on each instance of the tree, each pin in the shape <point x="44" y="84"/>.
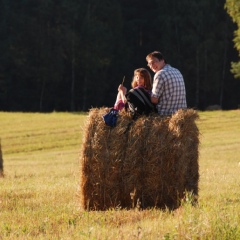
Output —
<point x="101" y="46"/>
<point x="233" y="9"/>
<point x="197" y="42"/>
<point x="71" y="55"/>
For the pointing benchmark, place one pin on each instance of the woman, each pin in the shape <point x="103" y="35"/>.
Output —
<point x="141" y="79"/>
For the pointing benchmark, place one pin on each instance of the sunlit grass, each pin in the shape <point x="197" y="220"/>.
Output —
<point x="39" y="193"/>
<point x="28" y="132"/>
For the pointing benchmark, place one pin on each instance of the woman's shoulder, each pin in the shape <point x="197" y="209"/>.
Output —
<point x="143" y="88"/>
<point x="140" y="87"/>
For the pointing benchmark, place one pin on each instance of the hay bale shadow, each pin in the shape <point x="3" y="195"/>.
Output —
<point x="152" y="163"/>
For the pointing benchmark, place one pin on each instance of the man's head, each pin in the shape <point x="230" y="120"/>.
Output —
<point x="156" y="61"/>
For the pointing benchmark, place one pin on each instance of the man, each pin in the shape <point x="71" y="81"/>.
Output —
<point x="168" y="92"/>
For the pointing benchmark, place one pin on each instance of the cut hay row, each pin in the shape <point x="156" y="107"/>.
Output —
<point x="150" y="162"/>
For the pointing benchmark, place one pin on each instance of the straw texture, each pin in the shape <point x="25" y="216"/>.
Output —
<point x="150" y="162"/>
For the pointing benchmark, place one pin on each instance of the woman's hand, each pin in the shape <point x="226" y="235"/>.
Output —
<point x="122" y="89"/>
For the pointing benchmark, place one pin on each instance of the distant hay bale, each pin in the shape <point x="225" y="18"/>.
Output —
<point x="1" y="161"/>
<point x="149" y="162"/>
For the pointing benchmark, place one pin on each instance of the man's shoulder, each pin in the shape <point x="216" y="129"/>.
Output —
<point x="168" y="69"/>
<point x="165" y="71"/>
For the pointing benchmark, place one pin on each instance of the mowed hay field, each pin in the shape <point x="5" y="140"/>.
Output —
<point x="39" y="192"/>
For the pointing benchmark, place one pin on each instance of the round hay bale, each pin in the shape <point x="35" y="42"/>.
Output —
<point x="150" y="162"/>
<point x="1" y="161"/>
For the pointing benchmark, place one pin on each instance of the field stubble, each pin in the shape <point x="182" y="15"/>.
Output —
<point x="39" y="193"/>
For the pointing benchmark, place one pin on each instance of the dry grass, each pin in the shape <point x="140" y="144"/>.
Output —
<point x="38" y="195"/>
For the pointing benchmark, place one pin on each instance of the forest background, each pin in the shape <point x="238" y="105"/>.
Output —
<point x="71" y="55"/>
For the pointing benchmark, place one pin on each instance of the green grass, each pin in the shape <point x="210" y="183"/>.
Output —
<point x="39" y="193"/>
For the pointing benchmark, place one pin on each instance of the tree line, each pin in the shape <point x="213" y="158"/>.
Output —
<point x="71" y="55"/>
<point x="233" y="9"/>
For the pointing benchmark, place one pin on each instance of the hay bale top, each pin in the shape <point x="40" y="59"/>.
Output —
<point x="182" y="118"/>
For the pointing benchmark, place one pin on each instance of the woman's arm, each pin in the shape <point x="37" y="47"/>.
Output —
<point x="122" y="90"/>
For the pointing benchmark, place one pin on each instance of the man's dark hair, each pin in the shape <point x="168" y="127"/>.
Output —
<point x="157" y="55"/>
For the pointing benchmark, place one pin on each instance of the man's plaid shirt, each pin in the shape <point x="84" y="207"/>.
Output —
<point x="169" y="88"/>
